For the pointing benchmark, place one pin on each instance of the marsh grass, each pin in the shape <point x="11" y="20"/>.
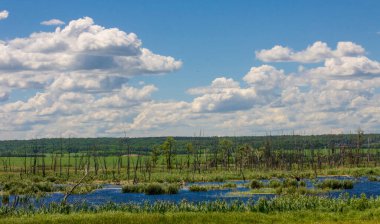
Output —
<point x="199" y="188"/>
<point x="335" y="184"/>
<point x="152" y="188"/>
<point x="294" y="202"/>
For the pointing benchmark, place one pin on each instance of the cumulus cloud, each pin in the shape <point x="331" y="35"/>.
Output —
<point x="265" y="77"/>
<point x="83" y="46"/>
<point x="82" y="54"/>
<point x="317" y="52"/>
<point x="80" y="80"/>
<point x="4" y="14"/>
<point x="348" y="66"/>
<point x="80" y="73"/>
<point x="263" y="85"/>
<point x="52" y="22"/>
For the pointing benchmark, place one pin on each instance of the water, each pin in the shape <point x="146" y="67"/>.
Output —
<point x="112" y="193"/>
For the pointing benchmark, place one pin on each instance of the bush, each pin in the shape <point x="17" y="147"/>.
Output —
<point x="256" y="184"/>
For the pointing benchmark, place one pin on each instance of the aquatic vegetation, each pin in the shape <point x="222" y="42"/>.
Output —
<point x="26" y="187"/>
<point x="335" y="184"/>
<point x="251" y="192"/>
<point x="151" y="188"/>
<point x="373" y="178"/>
<point x="274" y="183"/>
<point x="256" y="184"/>
<point x="277" y="204"/>
<point x="198" y="188"/>
<point x="229" y="185"/>
<point x="133" y="188"/>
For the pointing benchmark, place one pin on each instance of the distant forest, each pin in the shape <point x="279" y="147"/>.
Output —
<point x="114" y="146"/>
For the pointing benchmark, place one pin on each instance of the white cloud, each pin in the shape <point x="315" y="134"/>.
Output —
<point x="52" y="22"/>
<point x="317" y="52"/>
<point x="81" y="75"/>
<point x="81" y="54"/>
<point x="4" y="96"/>
<point x="348" y="66"/>
<point x="83" y="46"/>
<point x="4" y="14"/>
<point x="265" y="77"/>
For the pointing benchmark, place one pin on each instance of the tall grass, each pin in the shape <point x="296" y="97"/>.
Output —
<point x="151" y="188"/>
<point x="335" y="184"/>
<point x="276" y="204"/>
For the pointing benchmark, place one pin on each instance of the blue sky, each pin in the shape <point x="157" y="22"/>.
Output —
<point x="212" y="39"/>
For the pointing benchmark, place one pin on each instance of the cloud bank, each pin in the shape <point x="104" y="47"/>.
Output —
<point x="78" y="81"/>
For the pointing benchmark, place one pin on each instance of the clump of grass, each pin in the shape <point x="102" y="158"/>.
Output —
<point x="151" y="188"/>
<point x="274" y="183"/>
<point x="256" y="184"/>
<point x="335" y="184"/>
<point x="229" y="185"/>
<point x="373" y="178"/>
<point x="198" y="188"/>
<point x="133" y="188"/>
<point x="27" y="188"/>
<point x="154" y="189"/>
<point x="219" y="179"/>
<point x="172" y="189"/>
<point x="290" y="183"/>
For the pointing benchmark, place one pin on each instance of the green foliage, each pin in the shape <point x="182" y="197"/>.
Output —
<point x="198" y="188"/>
<point x="286" y="203"/>
<point x="27" y="188"/>
<point x="335" y="184"/>
<point x="255" y="184"/>
<point x="151" y="188"/>
<point x="229" y="185"/>
<point x="373" y="178"/>
<point x="274" y="183"/>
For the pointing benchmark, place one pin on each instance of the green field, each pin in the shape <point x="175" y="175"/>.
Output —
<point x="369" y="216"/>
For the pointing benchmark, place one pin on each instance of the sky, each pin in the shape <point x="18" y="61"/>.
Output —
<point x="157" y="68"/>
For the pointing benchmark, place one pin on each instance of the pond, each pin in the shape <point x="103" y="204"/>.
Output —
<point x="112" y="193"/>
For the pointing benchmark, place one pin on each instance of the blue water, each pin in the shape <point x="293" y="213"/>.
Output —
<point x="112" y="193"/>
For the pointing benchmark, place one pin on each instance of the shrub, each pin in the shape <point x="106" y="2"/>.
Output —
<point x="255" y="184"/>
